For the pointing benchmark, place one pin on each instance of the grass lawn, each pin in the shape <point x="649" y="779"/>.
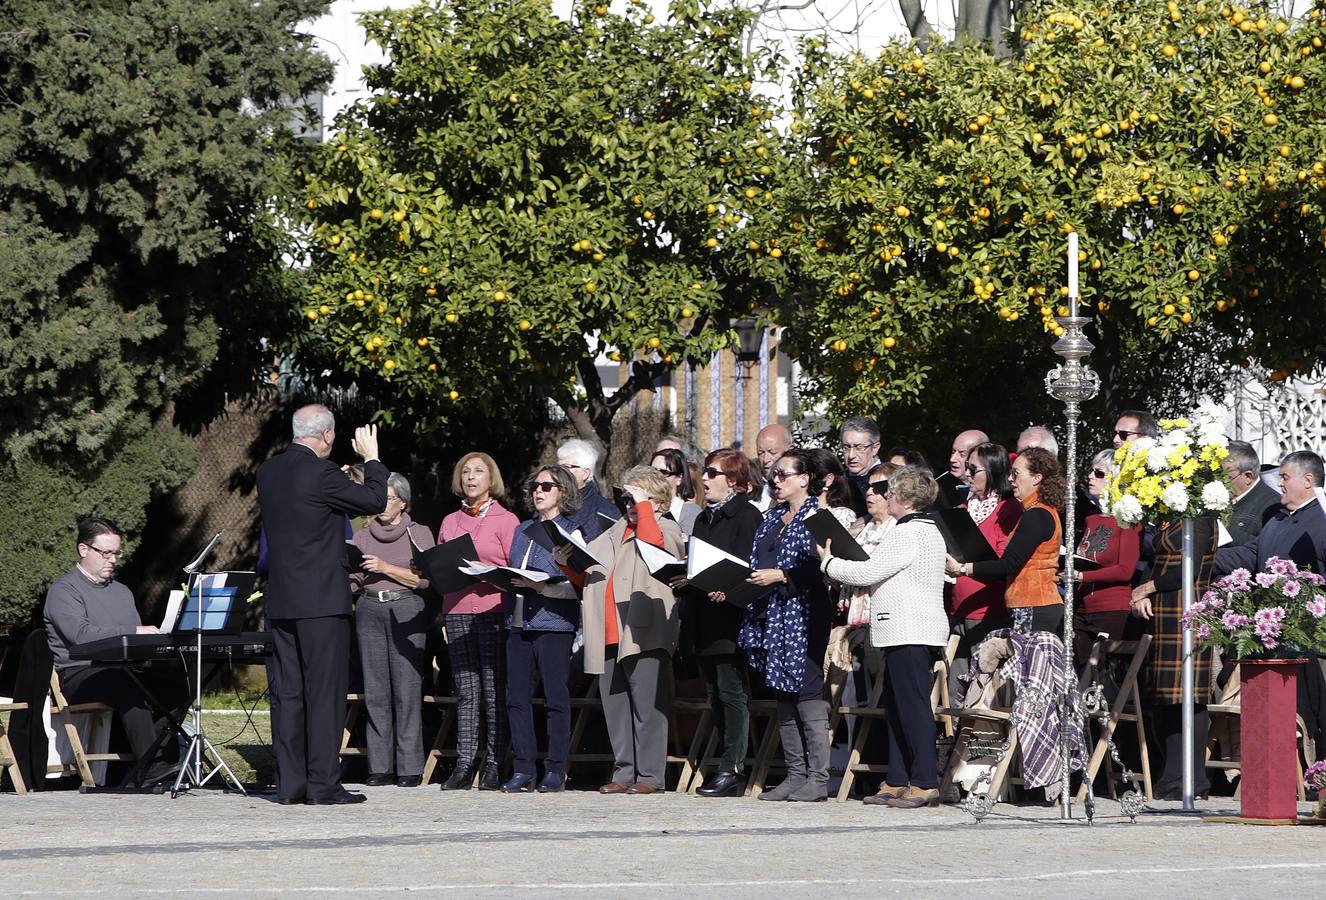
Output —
<point x="245" y="747"/>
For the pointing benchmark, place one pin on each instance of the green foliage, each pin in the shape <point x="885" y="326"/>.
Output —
<point x="1185" y="145"/>
<point x="518" y="183"/>
<point x="139" y="155"/>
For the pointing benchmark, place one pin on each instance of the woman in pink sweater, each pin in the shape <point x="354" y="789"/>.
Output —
<point x="476" y="644"/>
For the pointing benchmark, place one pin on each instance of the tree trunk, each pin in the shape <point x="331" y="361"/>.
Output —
<point x="593" y="416"/>
<point x="986" y="21"/>
<point x="914" y="16"/>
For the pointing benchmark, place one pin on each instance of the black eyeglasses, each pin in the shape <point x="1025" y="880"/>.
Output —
<point x="711" y="472"/>
<point x="1124" y="435"/>
<point x="667" y="473"/>
<point x="780" y="474"/>
<point x="105" y="554"/>
<point x="973" y="471"/>
<point x="533" y="486"/>
<point x="1100" y="473"/>
<point x="880" y="487"/>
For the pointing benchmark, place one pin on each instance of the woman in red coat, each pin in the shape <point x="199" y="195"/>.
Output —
<point x="1104" y="589"/>
<point x="976" y="605"/>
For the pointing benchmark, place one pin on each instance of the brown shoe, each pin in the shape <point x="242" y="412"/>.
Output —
<point x="886" y="793"/>
<point x="643" y="787"/>
<point x="914" y="798"/>
<point x="613" y="787"/>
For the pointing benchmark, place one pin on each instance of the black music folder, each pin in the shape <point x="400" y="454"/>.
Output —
<point x="710" y="569"/>
<point x="441" y="564"/>
<point x="554" y="535"/>
<point x="824" y="526"/>
<point x="662" y="564"/>
<point x="964" y="539"/>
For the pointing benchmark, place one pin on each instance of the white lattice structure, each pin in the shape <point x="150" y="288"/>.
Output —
<point x="1279" y="418"/>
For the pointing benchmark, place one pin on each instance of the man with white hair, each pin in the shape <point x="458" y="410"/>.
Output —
<point x="581" y="457"/>
<point x="304" y="498"/>
<point x="1038" y="436"/>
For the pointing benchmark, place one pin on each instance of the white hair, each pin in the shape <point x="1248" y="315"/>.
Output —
<point x="312" y="421"/>
<point x="401" y="485"/>
<point x="580" y="452"/>
<point x="1038" y="436"/>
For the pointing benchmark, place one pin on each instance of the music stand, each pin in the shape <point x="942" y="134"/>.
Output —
<point x="191" y="766"/>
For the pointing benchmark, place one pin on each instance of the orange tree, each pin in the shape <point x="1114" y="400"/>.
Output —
<point x="522" y="193"/>
<point x="1186" y="144"/>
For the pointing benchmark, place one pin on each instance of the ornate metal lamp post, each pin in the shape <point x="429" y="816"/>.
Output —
<point x="1072" y="382"/>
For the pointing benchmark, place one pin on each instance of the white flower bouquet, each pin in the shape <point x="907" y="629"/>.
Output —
<point x="1177" y="475"/>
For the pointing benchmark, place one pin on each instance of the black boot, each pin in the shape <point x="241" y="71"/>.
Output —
<point x="490" y="780"/>
<point x="723" y="784"/>
<point x="462" y="778"/>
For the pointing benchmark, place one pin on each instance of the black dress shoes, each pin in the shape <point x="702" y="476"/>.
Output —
<point x="409" y="781"/>
<point x="290" y="801"/>
<point x="490" y="780"/>
<point x="340" y="798"/>
<point x="723" y="784"/>
<point x="379" y="779"/>
<point x="462" y="779"/>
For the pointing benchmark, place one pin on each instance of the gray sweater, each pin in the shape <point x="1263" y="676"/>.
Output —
<point x="78" y="611"/>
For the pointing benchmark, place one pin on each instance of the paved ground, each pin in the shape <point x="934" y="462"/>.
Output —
<point x="492" y="845"/>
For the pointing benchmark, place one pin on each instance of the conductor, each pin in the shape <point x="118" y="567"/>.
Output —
<point x="304" y="498"/>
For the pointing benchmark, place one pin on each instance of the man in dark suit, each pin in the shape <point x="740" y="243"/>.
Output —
<point x="1254" y="499"/>
<point x="953" y="485"/>
<point x="1296" y="531"/>
<point x="860" y="449"/>
<point x="305" y="498"/>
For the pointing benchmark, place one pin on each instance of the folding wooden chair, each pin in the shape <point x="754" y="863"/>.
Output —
<point x="985" y="715"/>
<point x="703" y="734"/>
<point x="63" y="712"/>
<point x="766" y="744"/>
<point x="7" y="758"/>
<point x="867" y="715"/>
<point x="354" y="708"/>
<point x="1225" y="734"/>
<point x="1127" y="707"/>
<point x="438" y="751"/>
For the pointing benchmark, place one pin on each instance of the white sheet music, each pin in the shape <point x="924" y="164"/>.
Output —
<point x="579" y="542"/>
<point x="1225" y="537"/>
<point x="478" y="570"/>
<point x="702" y="554"/>
<point x="654" y="557"/>
<point x="174" y="603"/>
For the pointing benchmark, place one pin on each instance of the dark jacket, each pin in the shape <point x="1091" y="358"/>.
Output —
<point x="953" y="491"/>
<point x="1298" y="535"/>
<point x="709" y="628"/>
<point x="540" y="612"/>
<point x="1251" y="511"/>
<point x="304" y="502"/>
<point x="592" y="503"/>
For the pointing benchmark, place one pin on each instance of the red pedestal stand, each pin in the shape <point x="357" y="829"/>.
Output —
<point x="1268" y="742"/>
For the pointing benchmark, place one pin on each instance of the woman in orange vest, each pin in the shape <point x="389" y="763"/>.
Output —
<point x="1031" y="559"/>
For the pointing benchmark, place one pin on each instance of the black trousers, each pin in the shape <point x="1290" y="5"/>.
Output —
<point x="911" y="722"/>
<point x="1165" y="734"/>
<point x="549" y="654"/>
<point x="1039" y="618"/>
<point x="312" y="660"/>
<point x="727" y="682"/>
<point x="477" y="646"/>
<point x="118" y="690"/>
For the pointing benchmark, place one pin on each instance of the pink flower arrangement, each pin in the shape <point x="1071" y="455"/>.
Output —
<point x="1314" y="779"/>
<point x="1278" y="612"/>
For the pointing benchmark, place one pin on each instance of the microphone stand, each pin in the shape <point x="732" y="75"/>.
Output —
<point x="191" y="766"/>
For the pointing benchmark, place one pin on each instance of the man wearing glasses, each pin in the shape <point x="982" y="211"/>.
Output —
<point x="1133" y="424"/>
<point x="88" y="604"/>
<point x="597" y="512"/>
<point x="1254" y="499"/>
<point x="860" y="447"/>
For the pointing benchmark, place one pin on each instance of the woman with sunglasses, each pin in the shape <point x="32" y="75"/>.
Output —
<point x="672" y="465"/>
<point x="630" y="632"/>
<point x="709" y="625"/>
<point x="1031" y="557"/>
<point x="786" y="632"/>
<point x="391" y="628"/>
<point x="905" y="575"/>
<point x="1104" y="590"/>
<point x="976" y="605"/>
<point x="541" y="628"/>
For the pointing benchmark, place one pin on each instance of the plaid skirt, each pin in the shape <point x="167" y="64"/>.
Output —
<point x="1162" y="676"/>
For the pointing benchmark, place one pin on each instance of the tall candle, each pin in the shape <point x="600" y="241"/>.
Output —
<point x="1072" y="273"/>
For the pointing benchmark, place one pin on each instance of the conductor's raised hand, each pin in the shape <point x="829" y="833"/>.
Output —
<point x="365" y="442"/>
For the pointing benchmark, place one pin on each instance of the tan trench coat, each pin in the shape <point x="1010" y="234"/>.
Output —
<point x="647" y="616"/>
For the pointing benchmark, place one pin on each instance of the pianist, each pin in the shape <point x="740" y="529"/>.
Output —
<point x="88" y="604"/>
